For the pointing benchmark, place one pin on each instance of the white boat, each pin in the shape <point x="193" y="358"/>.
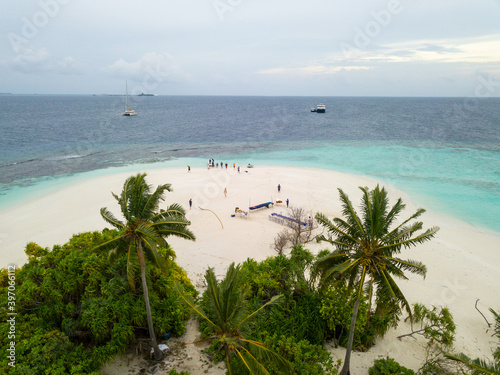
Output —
<point x="320" y="108"/>
<point x="128" y="111"/>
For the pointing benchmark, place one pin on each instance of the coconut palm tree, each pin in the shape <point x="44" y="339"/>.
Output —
<point x="142" y="232"/>
<point x="365" y="249"/>
<point x="229" y="317"/>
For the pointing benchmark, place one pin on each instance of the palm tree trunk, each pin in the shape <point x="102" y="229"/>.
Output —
<point x="347" y="359"/>
<point x="157" y="352"/>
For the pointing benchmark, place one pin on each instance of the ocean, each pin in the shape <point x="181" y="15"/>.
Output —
<point x="442" y="151"/>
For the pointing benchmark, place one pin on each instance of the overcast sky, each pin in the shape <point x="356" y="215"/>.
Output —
<point x="251" y="47"/>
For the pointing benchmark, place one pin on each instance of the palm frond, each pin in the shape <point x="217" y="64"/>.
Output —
<point x="396" y="230"/>
<point x="350" y="213"/>
<point x="174" y="209"/>
<point x="124" y="198"/>
<point x="213" y="291"/>
<point x="177" y="231"/>
<point x="366" y="206"/>
<point x="273" y="301"/>
<point x="111" y="219"/>
<point x="335" y="230"/>
<point x="398" y="207"/>
<point x="412" y="241"/>
<point x="189" y="300"/>
<point x="387" y="284"/>
<point x="257" y="355"/>
<point x="412" y="266"/>
<point x="135" y="194"/>
<point x="478" y="366"/>
<point x="152" y="203"/>
<point x="149" y="234"/>
<point x="114" y="243"/>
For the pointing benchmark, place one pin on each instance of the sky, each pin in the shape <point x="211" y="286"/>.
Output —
<point x="251" y="47"/>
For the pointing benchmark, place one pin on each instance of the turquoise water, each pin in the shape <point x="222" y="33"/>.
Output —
<point x="457" y="181"/>
<point x="444" y="154"/>
<point x="460" y="182"/>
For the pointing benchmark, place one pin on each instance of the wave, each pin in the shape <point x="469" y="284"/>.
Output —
<point x="65" y="157"/>
<point x="19" y="162"/>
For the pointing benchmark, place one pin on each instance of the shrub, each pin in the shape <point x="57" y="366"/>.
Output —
<point x="75" y="311"/>
<point x="336" y="309"/>
<point x="388" y="367"/>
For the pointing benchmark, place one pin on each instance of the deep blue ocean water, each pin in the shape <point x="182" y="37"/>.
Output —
<point x="445" y="151"/>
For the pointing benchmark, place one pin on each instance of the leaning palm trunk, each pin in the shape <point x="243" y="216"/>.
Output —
<point x="157" y="352"/>
<point x="350" y="341"/>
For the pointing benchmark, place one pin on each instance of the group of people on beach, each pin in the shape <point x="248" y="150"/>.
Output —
<point x="213" y="164"/>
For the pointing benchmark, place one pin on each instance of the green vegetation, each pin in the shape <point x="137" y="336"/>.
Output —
<point x="293" y="328"/>
<point x="364" y="254"/>
<point x="229" y="319"/>
<point x="143" y="233"/>
<point x="76" y="311"/>
<point x="78" y="304"/>
<point x="436" y="325"/>
<point x="388" y="367"/>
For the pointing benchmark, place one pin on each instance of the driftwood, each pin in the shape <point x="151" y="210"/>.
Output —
<point x="206" y="209"/>
<point x="489" y="324"/>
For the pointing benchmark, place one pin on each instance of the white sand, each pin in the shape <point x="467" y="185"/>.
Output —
<point x="463" y="261"/>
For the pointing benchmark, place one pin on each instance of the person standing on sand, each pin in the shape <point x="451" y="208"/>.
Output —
<point x="225" y="192"/>
<point x="279" y="188"/>
<point x="190" y="203"/>
<point x="189" y="168"/>
<point x="287" y="201"/>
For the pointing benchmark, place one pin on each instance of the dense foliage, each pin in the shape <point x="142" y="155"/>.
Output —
<point x="388" y="367"/>
<point x="75" y="310"/>
<point x="143" y="232"/>
<point x="294" y="329"/>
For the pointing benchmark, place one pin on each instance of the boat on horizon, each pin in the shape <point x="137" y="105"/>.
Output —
<point x="143" y="94"/>
<point x="128" y="110"/>
<point x="320" y="108"/>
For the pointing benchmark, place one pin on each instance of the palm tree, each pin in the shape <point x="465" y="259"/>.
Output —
<point x="143" y="232"/>
<point x="227" y="314"/>
<point x="365" y="249"/>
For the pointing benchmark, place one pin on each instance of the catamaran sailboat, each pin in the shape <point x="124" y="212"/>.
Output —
<point x="128" y="111"/>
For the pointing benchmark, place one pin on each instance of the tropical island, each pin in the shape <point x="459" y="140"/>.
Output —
<point x="166" y="272"/>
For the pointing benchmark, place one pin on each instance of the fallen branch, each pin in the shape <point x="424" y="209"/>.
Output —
<point x="489" y="324"/>
<point x="419" y="332"/>
<point x="206" y="209"/>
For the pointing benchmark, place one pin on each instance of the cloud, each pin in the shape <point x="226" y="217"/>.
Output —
<point x="32" y="61"/>
<point x="484" y="49"/>
<point x="29" y="60"/>
<point x="312" y="70"/>
<point x="158" y="66"/>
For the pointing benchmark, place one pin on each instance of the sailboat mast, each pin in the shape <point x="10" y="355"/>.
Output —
<point x="126" y="95"/>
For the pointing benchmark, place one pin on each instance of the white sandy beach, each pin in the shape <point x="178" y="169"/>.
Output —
<point x="463" y="261"/>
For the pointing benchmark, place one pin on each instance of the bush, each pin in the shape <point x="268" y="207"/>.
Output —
<point x="388" y="367"/>
<point x="336" y="309"/>
<point x="307" y="358"/>
<point x="75" y="311"/>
